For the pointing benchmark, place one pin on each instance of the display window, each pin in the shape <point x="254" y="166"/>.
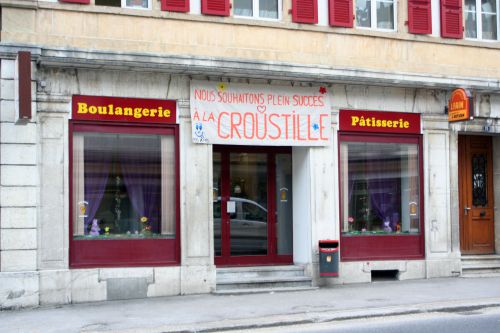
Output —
<point x="124" y="191"/>
<point x="380" y="187"/>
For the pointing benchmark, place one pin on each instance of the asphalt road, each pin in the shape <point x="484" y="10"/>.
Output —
<point x="483" y="321"/>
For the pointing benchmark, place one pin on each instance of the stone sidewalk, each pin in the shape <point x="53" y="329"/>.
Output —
<point x="211" y="313"/>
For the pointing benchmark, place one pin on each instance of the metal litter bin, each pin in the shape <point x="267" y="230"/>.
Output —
<point x="328" y="258"/>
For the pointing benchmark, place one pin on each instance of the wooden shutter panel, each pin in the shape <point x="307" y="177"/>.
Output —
<point x="419" y="17"/>
<point x="341" y="13"/>
<point x="451" y="19"/>
<point x="305" y="11"/>
<point x="215" y="7"/>
<point x="84" y="2"/>
<point x="175" y="5"/>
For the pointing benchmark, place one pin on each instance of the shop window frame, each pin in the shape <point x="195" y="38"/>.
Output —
<point x="389" y="246"/>
<point x="88" y="253"/>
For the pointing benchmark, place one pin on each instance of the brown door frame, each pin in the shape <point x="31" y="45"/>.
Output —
<point x="477" y="224"/>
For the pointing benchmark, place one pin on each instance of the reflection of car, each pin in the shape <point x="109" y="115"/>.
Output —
<point x="248" y="227"/>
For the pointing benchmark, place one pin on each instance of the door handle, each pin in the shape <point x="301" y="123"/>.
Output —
<point x="466" y="210"/>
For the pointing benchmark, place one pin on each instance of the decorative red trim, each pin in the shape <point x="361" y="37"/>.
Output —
<point x="341" y="13"/>
<point x="24" y="89"/>
<point x="175" y="5"/>
<point x="122" y="109"/>
<point x="419" y="17"/>
<point x="305" y="11"/>
<point x="124" y="253"/>
<point x="451" y="19"/>
<point x="379" y="122"/>
<point x="329" y="274"/>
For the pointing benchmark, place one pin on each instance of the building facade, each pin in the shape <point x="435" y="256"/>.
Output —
<point x="160" y="142"/>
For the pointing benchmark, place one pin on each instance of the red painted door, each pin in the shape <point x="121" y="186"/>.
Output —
<point x="477" y="233"/>
<point x="252" y="206"/>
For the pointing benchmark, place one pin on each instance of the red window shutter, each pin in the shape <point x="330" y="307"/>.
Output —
<point x="175" y="5"/>
<point x="451" y="19"/>
<point x="305" y="11"/>
<point x="84" y="2"/>
<point x="419" y="17"/>
<point x="215" y="7"/>
<point x="341" y="13"/>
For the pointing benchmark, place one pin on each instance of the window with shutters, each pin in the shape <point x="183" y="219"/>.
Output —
<point x="376" y="14"/>
<point x="261" y="9"/>
<point x="136" y="4"/>
<point x="481" y="19"/>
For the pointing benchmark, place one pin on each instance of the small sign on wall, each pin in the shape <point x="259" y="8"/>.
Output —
<point x="460" y="105"/>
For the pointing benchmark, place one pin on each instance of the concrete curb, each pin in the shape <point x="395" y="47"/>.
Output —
<point x="313" y="317"/>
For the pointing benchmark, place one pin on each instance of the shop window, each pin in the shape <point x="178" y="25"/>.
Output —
<point x="381" y="190"/>
<point x="136" y="4"/>
<point x="124" y="197"/>
<point x="376" y="14"/>
<point x="481" y="19"/>
<point x="263" y="9"/>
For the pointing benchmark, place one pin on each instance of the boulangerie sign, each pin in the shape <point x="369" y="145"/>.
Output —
<point x="244" y="114"/>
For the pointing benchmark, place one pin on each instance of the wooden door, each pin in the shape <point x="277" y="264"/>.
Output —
<point x="477" y="233"/>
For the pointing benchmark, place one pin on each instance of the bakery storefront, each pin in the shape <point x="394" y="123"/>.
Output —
<point x="252" y="129"/>
<point x="381" y="186"/>
<point x="124" y="183"/>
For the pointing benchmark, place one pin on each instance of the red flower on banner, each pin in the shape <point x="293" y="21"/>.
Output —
<point x="322" y="90"/>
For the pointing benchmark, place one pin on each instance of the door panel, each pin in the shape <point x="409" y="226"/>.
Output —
<point x="476" y="195"/>
<point x="246" y="211"/>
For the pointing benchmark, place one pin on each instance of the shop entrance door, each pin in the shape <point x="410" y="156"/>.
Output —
<point x="476" y="194"/>
<point x="252" y="205"/>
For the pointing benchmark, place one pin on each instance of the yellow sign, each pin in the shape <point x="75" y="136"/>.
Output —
<point x="459" y="105"/>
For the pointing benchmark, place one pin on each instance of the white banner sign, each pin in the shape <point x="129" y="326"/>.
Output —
<point x="245" y="114"/>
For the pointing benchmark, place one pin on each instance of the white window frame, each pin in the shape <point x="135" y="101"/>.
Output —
<point x="255" y="12"/>
<point x="373" y="16"/>
<point x="124" y="5"/>
<point x="479" y="22"/>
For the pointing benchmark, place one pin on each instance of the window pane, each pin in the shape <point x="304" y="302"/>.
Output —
<point x="489" y="26"/>
<point x="112" y="3"/>
<point x="243" y="8"/>
<point x="488" y="6"/>
<point x="137" y="3"/>
<point x="363" y="13"/>
<point x="380" y="188"/>
<point x="284" y="204"/>
<point x="470" y="24"/>
<point x="385" y="16"/>
<point x="123" y="186"/>
<point x="470" y="5"/>
<point x="268" y="8"/>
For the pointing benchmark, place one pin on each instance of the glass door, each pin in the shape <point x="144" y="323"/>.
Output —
<point x="252" y="206"/>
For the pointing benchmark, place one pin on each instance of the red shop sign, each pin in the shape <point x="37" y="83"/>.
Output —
<point x="124" y="109"/>
<point x="379" y="122"/>
<point x="459" y="105"/>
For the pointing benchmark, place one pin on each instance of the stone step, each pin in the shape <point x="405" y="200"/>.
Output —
<point x="243" y="273"/>
<point x="264" y="282"/>
<point x="262" y="290"/>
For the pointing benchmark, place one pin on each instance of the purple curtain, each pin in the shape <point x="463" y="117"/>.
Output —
<point x="140" y="161"/>
<point x="97" y="158"/>
<point x="383" y="190"/>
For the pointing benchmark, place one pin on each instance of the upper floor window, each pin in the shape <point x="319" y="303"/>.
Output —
<point x="481" y="19"/>
<point x="267" y="9"/>
<point x="138" y="4"/>
<point x="375" y="14"/>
